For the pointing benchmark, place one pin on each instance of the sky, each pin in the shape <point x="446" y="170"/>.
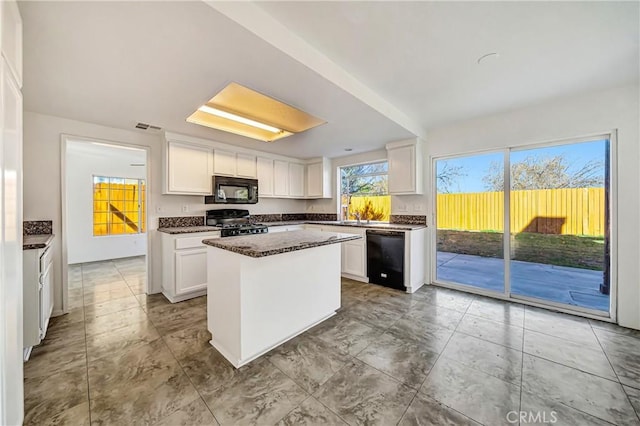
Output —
<point x="477" y="166"/>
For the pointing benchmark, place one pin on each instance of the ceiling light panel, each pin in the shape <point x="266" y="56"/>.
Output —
<point x="243" y="111"/>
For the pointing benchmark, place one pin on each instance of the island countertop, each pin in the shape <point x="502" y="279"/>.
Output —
<point x="262" y="245"/>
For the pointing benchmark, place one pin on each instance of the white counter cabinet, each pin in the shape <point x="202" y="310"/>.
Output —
<point x="184" y="265"/>
<point x="37" y="294"/>
<point x="354" y="254"/>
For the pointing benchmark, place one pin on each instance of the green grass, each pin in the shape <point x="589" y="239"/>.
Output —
<point x="576" y="251"/>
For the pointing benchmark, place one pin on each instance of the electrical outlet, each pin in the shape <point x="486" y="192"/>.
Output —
<point x="402" y="208"/>
<point x="185" y="208"/>
<point x="417" y="207"/>
<point x="158" y="209"/>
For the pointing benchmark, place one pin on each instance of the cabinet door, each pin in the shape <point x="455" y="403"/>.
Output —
<point x="224" y="162"/>
<point x="314" y="180"/>
<point x="402" y="169"/>
<point x="264" y="172"/>
<point x="246" y="165"/>
<point x="280" y="178"/>
<point x="296" y="180"/>
<point x="353" y="261"/>
<point x="12" y="38"/>
<point x="189" y="169"/>
<point x="191" y="270"/>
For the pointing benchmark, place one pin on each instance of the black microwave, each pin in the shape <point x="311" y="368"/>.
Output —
<point x="231" y="190"/>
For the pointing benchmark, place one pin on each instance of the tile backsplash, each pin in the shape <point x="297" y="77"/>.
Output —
<point x="406" y="219"/>
<point x="279" y="217"/>
<point x="180" y="221"/>
<point x="37" y="227"/>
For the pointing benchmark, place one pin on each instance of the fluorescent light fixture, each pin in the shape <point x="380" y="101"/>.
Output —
<point x="229" y="116"/>
<point x="240" y="110"/>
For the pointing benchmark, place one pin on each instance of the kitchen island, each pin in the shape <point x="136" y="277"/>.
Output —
<point x="266" y="289"/>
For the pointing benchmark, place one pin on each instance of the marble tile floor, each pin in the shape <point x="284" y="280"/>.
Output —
<point x="435" y="357"/>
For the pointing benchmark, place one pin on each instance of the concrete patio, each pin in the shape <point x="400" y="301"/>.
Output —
<point x="571" y="286"/>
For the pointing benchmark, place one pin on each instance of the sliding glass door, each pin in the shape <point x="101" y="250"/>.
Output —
<point x="469" y="223"/>
<point x="546" y="239"/>
<point x="559" y="224"/>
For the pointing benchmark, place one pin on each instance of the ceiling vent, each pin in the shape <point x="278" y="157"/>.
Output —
<point x="145" y="126"/>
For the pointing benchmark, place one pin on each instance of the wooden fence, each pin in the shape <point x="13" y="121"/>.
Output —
<point x="381" y="203"/>
<point x="115" y="208"/>
<point x="572" y="211"/>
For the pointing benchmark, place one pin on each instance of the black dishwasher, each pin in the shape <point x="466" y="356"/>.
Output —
<point x="385" y="258"/>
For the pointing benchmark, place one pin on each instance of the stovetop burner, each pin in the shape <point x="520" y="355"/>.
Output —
<point x="233" y="222"/>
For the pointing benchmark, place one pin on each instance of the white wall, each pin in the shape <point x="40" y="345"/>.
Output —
<point x="42" y="184"/>
<point x="83" y="161"/>
<point x="592" y="113"/>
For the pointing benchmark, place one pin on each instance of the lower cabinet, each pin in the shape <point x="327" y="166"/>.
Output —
<point x="354" y="258"/>
<point x="354" y="253"/>
<point x="285" y="228"/>
<point x="37" y="295"/>
<point x="184" y="266"/>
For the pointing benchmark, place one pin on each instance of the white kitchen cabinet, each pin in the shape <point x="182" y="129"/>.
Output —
<point x="354" y="252"/>
<point x="264" y="173"/>
<point x="11" y="26"/>
<point x="224" y="162"/>
<point x="285" y="228"/>
<point x="353" y="258"/>
<point x="188" y="168"/>
<point x="184" y="265"/>
<point x="11" y="253"/>
<point x="246" y="165"/>
<point x="37" y="295"/>
<point x="296" y="180"/>
<point x="405" y="167"/>
<point x="318" y="179"/>
<point x="280" y="178"/>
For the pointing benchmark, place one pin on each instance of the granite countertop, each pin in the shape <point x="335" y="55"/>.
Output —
<point x="262" y="245"/>
<point x="376" y="225"/>
<point x="37" y="241"/>
<point x="188" y="229"/>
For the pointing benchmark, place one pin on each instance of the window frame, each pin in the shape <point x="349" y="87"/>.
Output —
<point x="141" y="208"/>
<point x="340" y="211"/>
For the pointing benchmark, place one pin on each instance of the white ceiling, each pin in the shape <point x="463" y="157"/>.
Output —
<point x="118" y="63"/>
<point x="421" y="56"/>
<point x="117" y="156"/>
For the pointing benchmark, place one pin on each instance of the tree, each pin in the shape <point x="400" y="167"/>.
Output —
<point x="447" y="175"/>
<point x="364" y="179"/>
<point x="545" y="172"/>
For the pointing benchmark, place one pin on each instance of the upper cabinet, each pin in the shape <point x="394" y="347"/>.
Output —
<point x="190" y="162"/>
<point x="246" y="165"/>
<point x="188" y="169"/>
<point x="229" y="163"/>
<point x="405" y="167"/>
<point x="296" y="180"/>
<point x="264" y="173"/>
<point x="318" y="179"/>
<point x="280" y="178"/>
<point x="11" y="26"/>
<point x="224" y="162"/>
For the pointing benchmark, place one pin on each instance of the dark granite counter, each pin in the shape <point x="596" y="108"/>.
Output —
<point x="188" y="229"/>
<point x="363" y="224"/>
<point x="37" y="241"/>
<point x="281" y="242"/>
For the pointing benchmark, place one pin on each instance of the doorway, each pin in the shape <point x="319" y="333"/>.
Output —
<point x="105" y="240"/>
<point x="529" y="223"/>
